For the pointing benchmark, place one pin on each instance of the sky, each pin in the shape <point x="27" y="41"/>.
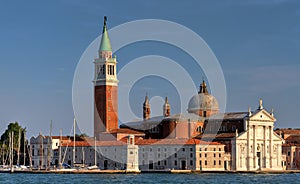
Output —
<point x="256" y="42"/>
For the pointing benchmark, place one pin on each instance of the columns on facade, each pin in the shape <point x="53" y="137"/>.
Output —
<point x="271" y="152"/>
<point x="265" y="157"/>
<point x="254" y="148"/>
<point x="248" y="147"/>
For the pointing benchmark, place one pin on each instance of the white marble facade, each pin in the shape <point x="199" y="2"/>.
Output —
<point x="258" y="147"/>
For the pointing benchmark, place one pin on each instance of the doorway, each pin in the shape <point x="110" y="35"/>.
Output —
<point x="150" y="164"/>
<point x="183" y="165"/>
<point x="258" y="160"/>
<point x="105" y="164"/>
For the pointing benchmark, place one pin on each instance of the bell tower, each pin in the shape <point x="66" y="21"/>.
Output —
<point x="146" y="108"/>
<point x="105" y="87"/>
<point x="166" y="108"/>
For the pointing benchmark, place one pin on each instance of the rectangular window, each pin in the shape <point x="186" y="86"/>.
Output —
<point x="214" y="162"/>
<point x="205" y="155"/>
<point x="289" y="153"/>
<point x="205" y="162"/>
<point x="214" y="155"/>
<point x="233" y="128"/>
<point x="191" y="162"/>
<point x="165" y="162"/>
<point x="200" y="155"/>
<point x="183" y="149"/>
<point x="175" y="162"/>
<point x="220" y="155"/>
<point x="191" y="155"/>
<point x="175" y="155"/>
<point x="191" y="149"/>
<point x="158" y="163"/>
<point x="219" y="162"/>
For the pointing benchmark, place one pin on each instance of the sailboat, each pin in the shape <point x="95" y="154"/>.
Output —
<point x="19" y="167"/>
<point x="94" y="166"/>
<point x="63" y="166"/>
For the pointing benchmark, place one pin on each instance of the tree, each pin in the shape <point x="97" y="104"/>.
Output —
<point x="4" y="140"/>
<point x="13" y="127"/>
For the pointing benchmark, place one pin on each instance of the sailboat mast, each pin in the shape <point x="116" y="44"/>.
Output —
<point x="82" y="149"/>
<point x="19" y="143"/>
<point x="3" y="154"/>
<point x="9" y="147"/>
<point x="74" y="134"/>
<point x="49" y="146"/>
<point x="24" y="148"/>
<point x="42" y="151"/>
<point x="12" y="150"/>
<point x="95" y="153"/>
<point x="59" y="158"/>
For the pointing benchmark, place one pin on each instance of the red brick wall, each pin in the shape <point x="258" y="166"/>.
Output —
<point x="106" y="109"/>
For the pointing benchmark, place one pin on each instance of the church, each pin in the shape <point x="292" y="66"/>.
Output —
<point x="245" y="141"/>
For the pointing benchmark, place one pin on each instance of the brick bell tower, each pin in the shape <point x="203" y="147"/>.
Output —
<point x="105" y="87"/>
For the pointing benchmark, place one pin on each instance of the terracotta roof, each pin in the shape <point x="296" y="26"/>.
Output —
<point x="91" y="143"/>
<point x="290" y="144"/>
<point x="125" y="131"/>
<point x="174" y="142"/>
<point x="217" y="136"/>
<point x="140" y="141"/>
<point x="288" y="131"/>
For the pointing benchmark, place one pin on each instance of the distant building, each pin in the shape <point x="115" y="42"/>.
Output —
<point x="291" y="148"/>
<point x="110" y="155"/>
<point x="180" y="154"/>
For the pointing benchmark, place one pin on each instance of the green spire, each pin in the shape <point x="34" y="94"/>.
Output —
<point x="105" y="42"/>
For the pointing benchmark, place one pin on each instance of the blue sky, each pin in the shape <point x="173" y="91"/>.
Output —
<point x="256" y="42"/>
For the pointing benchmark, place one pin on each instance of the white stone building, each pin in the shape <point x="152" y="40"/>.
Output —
<point x="258" y="147"/>
<point x="110" y="155"/>
<point x="180" y="154"/>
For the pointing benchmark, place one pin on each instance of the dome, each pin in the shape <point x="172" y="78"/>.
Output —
<point x="203" y="101"/>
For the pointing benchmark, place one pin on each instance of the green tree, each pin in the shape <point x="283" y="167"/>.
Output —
<point x="4" y="140"/>
<point x="13" y="127"/>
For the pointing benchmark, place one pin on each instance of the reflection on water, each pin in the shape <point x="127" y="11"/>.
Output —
<point x="149" y="178"/>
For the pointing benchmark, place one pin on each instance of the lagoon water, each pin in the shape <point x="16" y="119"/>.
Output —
<point x="150" y="178"/>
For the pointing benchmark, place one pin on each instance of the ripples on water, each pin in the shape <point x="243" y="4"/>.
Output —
<point x="150" y="178"/>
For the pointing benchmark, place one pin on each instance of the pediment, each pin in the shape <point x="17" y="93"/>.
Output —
<point x="262" y="115"/>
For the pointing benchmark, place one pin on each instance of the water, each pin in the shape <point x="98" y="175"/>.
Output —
<point x="150" y="178"/>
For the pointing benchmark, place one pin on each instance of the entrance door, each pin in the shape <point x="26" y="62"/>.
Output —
<point x="258" y="160"/>
<point x="105" y="164"/>
<point x="183" y="164"/>
<point x="150" y="164"/>
<point x="225" y="165"/>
